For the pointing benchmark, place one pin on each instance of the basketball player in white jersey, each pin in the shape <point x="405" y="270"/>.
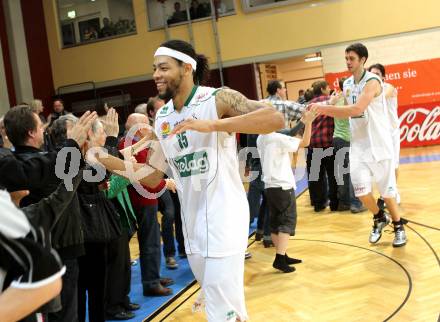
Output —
<point x="196" y="132"/>
<point x="371" y="151"/>
<point x="391" y="99"/>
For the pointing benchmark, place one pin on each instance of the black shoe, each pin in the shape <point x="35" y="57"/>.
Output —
<point x="292" y="261"/>
<point x="258" y="236"/>
<point x="334" y="206"/>
<point x="381" y="203"/>
<point x="123" y="315"/>
<point x="342" y="207"/>
<point x="320" y="208"/>
<point x="182" y="254"/>
<point x="133" y="306"/>
<point x="268" y="243"/>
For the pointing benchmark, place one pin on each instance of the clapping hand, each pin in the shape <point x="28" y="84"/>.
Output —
<point x="79" y="131"/>
<point x="309" y="116"/>
<point x="111" y="125"/>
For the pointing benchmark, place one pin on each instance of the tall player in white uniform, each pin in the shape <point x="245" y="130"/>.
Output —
<point x="196" y="131"/>
<point x="371" y="152"/>
<point x="391" y="99"/>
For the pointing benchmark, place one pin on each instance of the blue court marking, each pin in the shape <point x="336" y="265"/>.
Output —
<point x="420" y="158"/>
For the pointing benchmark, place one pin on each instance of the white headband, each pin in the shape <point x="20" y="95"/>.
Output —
<point x="165" y="51"/>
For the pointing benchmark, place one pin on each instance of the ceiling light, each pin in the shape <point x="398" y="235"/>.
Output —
<point x="315" y="57"/>
<point x="71" y="14"/>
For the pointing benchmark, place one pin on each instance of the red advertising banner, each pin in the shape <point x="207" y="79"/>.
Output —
<point x="418" y="85"/>
<point x="419" y="124"/>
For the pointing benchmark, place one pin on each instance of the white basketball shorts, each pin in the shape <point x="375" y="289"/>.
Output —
<point x="363" y="174"/>
<point x="221" y="280"/>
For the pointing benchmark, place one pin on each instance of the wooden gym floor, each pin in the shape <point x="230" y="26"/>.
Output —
<point x="343" y="277"/>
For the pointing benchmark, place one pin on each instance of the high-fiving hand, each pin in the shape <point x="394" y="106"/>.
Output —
<point x="309" y="116"/>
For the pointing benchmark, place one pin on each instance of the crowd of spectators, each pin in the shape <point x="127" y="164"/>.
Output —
<point x="85" y="221"/>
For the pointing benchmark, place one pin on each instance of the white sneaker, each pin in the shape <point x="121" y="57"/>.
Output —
<point x="400" y="237"/>
<point x="378" y="226"/>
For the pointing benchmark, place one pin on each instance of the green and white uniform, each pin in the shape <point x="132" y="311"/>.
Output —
<point x="215" y="211"/>
<point x="371" y="151"/>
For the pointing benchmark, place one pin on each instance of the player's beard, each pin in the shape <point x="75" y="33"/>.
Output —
<point x="172" y="88"/>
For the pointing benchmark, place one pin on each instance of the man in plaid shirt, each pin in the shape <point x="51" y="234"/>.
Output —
<point x="322" y="185"/>
<point x="292" y="111"/>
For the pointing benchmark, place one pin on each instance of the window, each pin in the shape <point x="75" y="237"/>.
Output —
<point x="255" y="5"/>
<point x="176" y="12"/>
<point x="84" y="21"/>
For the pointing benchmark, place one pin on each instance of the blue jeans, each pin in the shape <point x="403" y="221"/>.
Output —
<point x="258" y="207"/>
<point x="345" y="190"/>
<point x="149" y="245"/>
<point x="166" y="207"/>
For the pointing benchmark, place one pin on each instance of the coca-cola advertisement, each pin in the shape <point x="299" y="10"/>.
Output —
<point x="418" y="87"/>
<point x="419" y="124"/>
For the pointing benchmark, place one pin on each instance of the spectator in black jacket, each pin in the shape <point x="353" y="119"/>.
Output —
<point x="31" y="169"/>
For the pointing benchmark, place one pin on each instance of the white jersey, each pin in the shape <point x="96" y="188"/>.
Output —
<point x="370" y="131"/>
<point x="214" y="207"/>
<point x="276" y="164"/>
<point x="392" y="108"/>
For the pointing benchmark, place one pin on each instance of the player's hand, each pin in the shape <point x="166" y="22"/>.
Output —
<point x="170" y="184"/>
<point x="204" y="126"/>
<point x="16" y="196"/>
<point x="316" y="108"/>
<point x="309" y="116"/>
<point x="334" y="98"/>
<point x="81" y="128"/>
<point x="156" y="156"/>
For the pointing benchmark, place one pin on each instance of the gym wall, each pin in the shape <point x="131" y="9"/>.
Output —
<point x="244" y="38"/>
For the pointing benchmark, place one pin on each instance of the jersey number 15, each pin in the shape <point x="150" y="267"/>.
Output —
<point x="183" y="140"/>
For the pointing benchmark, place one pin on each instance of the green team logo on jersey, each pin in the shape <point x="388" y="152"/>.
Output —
<point x="192" y="163"/>
<point x="164" y="110"/>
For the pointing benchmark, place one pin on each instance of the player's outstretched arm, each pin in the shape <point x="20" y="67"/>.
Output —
<point x="16" y="304"/>
<point x="147" y="174"/>
<point x="237" y="114"/>
<point x="371" y="90"/>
